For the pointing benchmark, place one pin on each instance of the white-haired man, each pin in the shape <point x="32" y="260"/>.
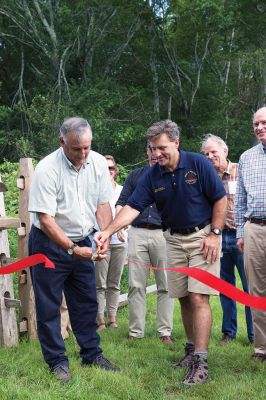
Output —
<point x="216" y="150"/>
<point x="71" y="189"/>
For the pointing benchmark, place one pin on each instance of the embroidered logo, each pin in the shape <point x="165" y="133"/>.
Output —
<point x="191" y="177"/>
<point x="159" y="189"/>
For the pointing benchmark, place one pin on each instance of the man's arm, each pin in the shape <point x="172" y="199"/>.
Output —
<point x="57" y="235"/>
<point x="104" y="218"/>
<point x="211" y="244"/>
<point x="123" y="218"/>
<point x="104" y="215"/>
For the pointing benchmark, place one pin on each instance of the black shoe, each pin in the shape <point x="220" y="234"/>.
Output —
<point x="61" y="372"/>
<point x="259" y="356"/>
<point x="226" y="339"/>
<point x="101" y="362"/>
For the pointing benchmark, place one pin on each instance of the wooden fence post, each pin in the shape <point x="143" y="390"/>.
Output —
<point x="27" y="320"/>
<point x="8" y="323"/>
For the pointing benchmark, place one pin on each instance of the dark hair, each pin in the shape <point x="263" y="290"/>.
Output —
<point x="167" y="127"/>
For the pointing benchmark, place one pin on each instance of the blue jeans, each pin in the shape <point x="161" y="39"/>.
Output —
<point x="233" y="257"/>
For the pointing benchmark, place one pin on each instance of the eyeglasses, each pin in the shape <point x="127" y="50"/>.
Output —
<point x="111" y="168"/>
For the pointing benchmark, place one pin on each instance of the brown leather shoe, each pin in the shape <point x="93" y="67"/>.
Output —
<point x="133" y="337"/>
<point x="166" y="340"/>
<point x="101" y="327"/>
<point x="226" y="339"/>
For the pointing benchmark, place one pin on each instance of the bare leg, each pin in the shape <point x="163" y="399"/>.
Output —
<point x="202" y="320"/>
<point x="187" y="317"/>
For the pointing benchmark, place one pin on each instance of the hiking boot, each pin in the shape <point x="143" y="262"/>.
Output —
<point x="198" y="372"/>
<point x="226" y="339"/>
<point x="187" y="359"/>
<point x="61" y="372"/>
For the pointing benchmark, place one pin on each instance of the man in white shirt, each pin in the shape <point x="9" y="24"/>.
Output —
<point x="71" y="189"/>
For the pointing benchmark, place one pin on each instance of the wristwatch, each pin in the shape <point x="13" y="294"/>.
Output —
<point x="216" y="231"/>
<point x="70" y="250"/>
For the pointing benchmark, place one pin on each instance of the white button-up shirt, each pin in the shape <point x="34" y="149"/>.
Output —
<point x="68" y="195"/>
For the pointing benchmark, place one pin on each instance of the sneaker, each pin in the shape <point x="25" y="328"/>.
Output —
<point x="187" y="359"/>
<point x="166" y="340"/>
<point x="61" y="372"/>
<point x="226" y="339"/>
<point x="101" y="362"/>
<point x="198" y="372"/>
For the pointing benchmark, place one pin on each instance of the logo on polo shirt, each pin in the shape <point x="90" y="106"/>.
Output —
<point x="191" y="177"/>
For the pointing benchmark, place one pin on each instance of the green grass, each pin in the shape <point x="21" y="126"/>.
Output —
<point x="145" y="367"/>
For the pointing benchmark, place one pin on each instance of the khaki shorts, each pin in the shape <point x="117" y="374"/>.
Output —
<point x="184" y="251"/>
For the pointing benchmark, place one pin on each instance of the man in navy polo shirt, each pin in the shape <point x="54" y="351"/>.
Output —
<point x="191" y="200"/>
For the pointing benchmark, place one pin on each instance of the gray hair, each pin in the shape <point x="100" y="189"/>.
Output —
<point x="168" y="127"/>
<point x="74" y="124"/>
<point x="213" y="138"/>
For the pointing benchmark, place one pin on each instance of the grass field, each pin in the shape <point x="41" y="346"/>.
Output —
<point x="145" y="367"/>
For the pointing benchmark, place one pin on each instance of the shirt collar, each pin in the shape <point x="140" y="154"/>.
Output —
<point x="69" y="163"/>
<point x="228" y="170"/>
<point x="181" y="163"/>
<point x="262" y="148"/>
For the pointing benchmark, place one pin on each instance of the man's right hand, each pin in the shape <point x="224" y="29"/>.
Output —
<point x="240" y="244"/>
<point x="101" y="239"/>
<point x="85" y="253"/>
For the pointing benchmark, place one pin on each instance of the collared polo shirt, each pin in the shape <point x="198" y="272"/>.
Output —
<point x="184" y="197"/>
<point x="150" y="215"/>
<point x="68" y="195"/>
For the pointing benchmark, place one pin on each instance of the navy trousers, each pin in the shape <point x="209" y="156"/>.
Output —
<point x="77" y="279"/>
<point x="233" y="257"/>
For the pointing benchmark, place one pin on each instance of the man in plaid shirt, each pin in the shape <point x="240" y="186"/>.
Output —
<point x="216" y="150"/>
<point x="250" y="218"/>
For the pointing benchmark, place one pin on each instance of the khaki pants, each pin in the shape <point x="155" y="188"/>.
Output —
<point x="255" y="267"/>
<point x="147" y="247"/>
<point x="108" y="276"/>
<point x="184" y="251"/>
<point x="65" y="321"/>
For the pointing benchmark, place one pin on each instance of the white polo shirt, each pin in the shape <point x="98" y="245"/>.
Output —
<point x="68" y="195"/>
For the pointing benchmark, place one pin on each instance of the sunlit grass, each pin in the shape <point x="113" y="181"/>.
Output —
<point x="145" y="367"/>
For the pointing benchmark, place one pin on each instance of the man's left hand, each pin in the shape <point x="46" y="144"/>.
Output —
<point x="211" y="248"/>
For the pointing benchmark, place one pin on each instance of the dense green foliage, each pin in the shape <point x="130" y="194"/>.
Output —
<point x="123" y="65"/>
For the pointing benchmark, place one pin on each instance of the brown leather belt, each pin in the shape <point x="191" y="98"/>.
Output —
<point x="147" y="226"/>
<point x="258" y="221"/>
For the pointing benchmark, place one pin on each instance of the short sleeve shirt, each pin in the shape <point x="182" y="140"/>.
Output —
<point x="184" y="197"/>
<point x="68" y="195"/>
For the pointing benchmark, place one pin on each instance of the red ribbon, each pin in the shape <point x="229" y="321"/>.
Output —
<point x="26" y="263"/>
<point x="218" y="284"/>
<point x="203" y="276"/>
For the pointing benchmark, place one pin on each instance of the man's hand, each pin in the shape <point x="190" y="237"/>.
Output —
<point x="85" y="253"/>
<point x="240" y="244"/>
<point x="211" y="248"/>
<point x="121" y="235"/>
<point x="101" y="239"/>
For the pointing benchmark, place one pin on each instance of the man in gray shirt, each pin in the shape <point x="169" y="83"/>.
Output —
<point x="71" y="189"/>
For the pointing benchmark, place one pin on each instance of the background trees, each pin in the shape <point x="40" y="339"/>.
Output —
<point x="123" y="65"/>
